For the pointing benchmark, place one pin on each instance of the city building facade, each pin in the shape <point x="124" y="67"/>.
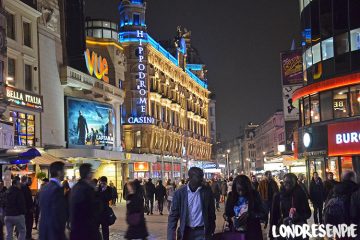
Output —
<point x="165" y="115"/>
<point x="328" y="138"/>
<point x="249" y="145"/>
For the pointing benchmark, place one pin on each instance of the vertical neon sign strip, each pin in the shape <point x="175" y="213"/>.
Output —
<point x="141" y="83"/>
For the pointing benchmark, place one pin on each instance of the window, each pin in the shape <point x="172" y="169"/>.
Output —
<point x="316" y="53"/>
<point x="326" y="106"/>
<point x="355" y="100"/>
<point x="340" y="103"/>
<point x="163" y="114"/>
<point x="106" y="24"/>
<point x="340" y="16"/>
<point x="106" y="33"/>
<point x="307" y="112"/>
<point x="326" y="19"/>
<point x="308" y="57"/>
<point x="10" y="26"/>
<point x="138" y="139"/>
<point x="11" y="71"/>
<point x="327" y="48"/>
<point x="354" y="8"/>
<point x="315" y="108"/>
<point x="97" y="33"/>
<point x="27" y="34"/>
<point x="136" y="19"/>
<point x="97" y="24"/>
<point x="355" y="39"/>
<point x="341" y="44"/>
<point x="24" y="128"/>
<point x="114" y="35"/>
<point x="28" y="77"/>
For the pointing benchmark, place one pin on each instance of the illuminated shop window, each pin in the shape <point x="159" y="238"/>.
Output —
<point x="308" y="58"/>
<point x="24" y="128"/>
<point x="97" y="33"/>
<point x="315" y="107"/>
<point x="346" y="164"/>
<point x="327" y="48"/>
<point x="333" y="166"/>
<point x="316" y="53"/>
<point x="342" y="44"/>
<point x="307" y="112"/>
<point x="355" y="100"/>
<point x="326" y="106"/>
<point x="340" y="103"/>
<point x="355" y="39"/>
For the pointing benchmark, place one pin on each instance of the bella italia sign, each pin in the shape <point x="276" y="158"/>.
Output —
<point x="24" y="99"/>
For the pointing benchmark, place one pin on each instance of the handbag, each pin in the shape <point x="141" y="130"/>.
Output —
<point x="111" y="216"/>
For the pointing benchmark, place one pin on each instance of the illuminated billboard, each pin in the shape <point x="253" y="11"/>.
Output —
<point x="89" y="123"/>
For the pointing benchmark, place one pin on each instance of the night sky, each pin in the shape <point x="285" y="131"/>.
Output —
<point x="239" y="41"/>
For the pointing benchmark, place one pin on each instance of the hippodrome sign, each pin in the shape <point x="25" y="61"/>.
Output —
<point x="97" y="65"/>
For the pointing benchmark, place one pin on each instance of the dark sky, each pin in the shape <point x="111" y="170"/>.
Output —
<point x="240" y="42"/>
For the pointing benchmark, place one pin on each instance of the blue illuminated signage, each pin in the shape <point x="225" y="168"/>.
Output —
<point x="141" y="120"/>
<point x="141" y="81"/>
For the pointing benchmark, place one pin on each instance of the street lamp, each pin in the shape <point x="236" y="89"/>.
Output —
<point x="227" y="163"/>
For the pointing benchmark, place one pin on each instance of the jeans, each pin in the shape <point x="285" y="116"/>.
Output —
<point x="105" y="231"/>
<point x="169" y="205"/>
<point x="318" y="208"/>
<point x="19" y="223"/>
<point x="29" y="221"/>
<point x="150" y="201"/>
<point x="217" y="200"/>
<point x="191" y="234"/>
<point x="161" y="205"/>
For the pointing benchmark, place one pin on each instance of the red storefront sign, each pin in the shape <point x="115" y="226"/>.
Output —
<point x="344" y="139"/>
<point x="141" y="166"/>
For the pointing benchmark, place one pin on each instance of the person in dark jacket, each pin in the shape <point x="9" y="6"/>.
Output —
<point x="149" y="196"/>
<point x="52" y="205"/>
<point x="223" y="190"/>
<point x="254" y="182"/>
<point x="67" y="192"/>
<point x="3" y="190"/>
<point x="135" y="212"/>
<point x="15" y="209"/>
<point x="37" y="202"/>
<point x="290" y="205"/>
<point x="317" y="197"/>
<point x="215" y="188"/>
<point x="329" y="184"/>
<point x="125" y="189"/>
<point x="29" y="215"/>
<point x="84" y="207"/>
<point x="301" y="182"/>
<point x="355" y="210"/>
<point x="114" y="194"/>
<point x="244" y="209"/>
<point x="105" y="196"/>
<point x="346" y="188"/>
<point x="193" y="205"/>
<point x="160" y="195"/>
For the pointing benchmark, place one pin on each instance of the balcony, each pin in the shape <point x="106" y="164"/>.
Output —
<point x="89" y="85"/>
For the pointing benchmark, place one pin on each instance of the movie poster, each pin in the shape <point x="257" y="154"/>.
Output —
<point x="90" y="123"/>
<point x="291" y="67"/>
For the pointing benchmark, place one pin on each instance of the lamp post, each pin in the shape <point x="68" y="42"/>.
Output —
<point x="227" y="163"/>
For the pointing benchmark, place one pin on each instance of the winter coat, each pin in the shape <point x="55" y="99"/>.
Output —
<point x="256" y="213"/>
<point x="15" y="202"/>
<point x="355" y="210"/>
<point x="345" y="188"/>
<point x="85" y="211"/>
<point x="304" y="188"/>
<point x="149" y="190"/>
<point x="160" y="192"/>
<point x="328" y="187"/>
<point x="224" y="188"/>
<point x="105" y="196"/>
<point x="284" y="201"/>
<point x="263" y="189"/>
<point x="215" y="188"/>
<point x="135" y="217"/>
<point x="28" y="198"/>
<point x="255" y="185"/>
<point x="317" y="192"/>
<point x="125" y="191"/>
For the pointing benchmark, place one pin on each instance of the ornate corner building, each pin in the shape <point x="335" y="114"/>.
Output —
<point x="165" y="110"/>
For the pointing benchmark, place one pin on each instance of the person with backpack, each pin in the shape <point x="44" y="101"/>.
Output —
<point x="317" y="197"/>
<point x="290" y="205"/>
<point x="337" y="208"/>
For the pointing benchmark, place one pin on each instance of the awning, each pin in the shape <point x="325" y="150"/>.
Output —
<point x="18" y="155"/>
<point x="46" y="159"/>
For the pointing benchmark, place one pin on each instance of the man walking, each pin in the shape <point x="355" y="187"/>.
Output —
<point x="149" y="196"/>
<point x="29" y="203"/>
<point x="215" y="188"/>
<point x="193" y="205"/>
<point x="329" y="184"/>
<point x="53" y="206"/>
<point x="15" y="211"/>
<point x="267" y="189"/>
<point x="105" y="196"/>
<point x="84" y="209"/>
<point x="160" y="194"/>
<point x="317" y="197"/>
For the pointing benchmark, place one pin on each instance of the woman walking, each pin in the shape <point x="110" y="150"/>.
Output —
<point x="244" y="210"/>
<point x="135" y="212"/>
<point x="170" y="189"/>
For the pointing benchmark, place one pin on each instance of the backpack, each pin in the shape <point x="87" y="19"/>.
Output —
<point x="335" y="210"/>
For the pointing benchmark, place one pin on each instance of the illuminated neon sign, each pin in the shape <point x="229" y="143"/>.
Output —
<point x="344" y="138"/>
<point x="97" y="65"/>
<point x="141" y="120"/>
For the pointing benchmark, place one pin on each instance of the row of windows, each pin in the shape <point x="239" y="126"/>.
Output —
<point x="99" y="23"/>
<point x="12" y="77"/>
<point x="328" y="48"/>
<point x="11" y="30"/>
<point x="339" y="103"/>
<point x="102" y="33"/>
